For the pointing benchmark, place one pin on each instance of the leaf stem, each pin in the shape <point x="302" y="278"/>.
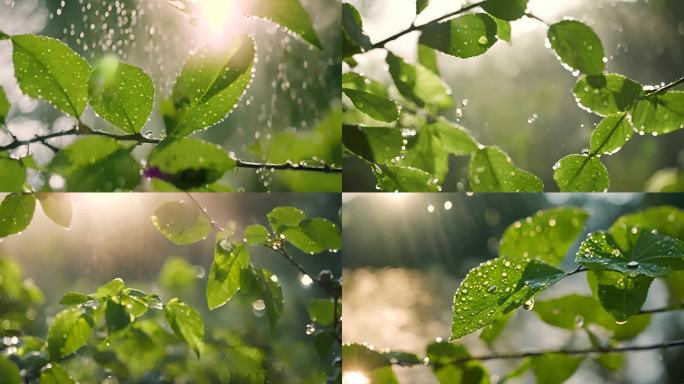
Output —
<point x="665" y="87"/>
<point x="413" y="27"/>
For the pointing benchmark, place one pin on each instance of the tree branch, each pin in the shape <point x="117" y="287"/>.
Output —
<point x="83" y="129"/>
<point x="665" y="87"/>
<point x="413" y="27"/>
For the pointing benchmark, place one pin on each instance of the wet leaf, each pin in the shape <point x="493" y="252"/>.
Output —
<point x="667" y="220"/>
<point x="607" y="94"/>
<point x="442" y="356"/>
<point x="210" y="84"/>
<point x="421" y="5"/>
<point x="418" y="84"/>
<point x="393" y="178"/>
<point x="68" y="332"/>
<point x="271" y="293"/>
<point x="289" y="14"/>
<point x="646" y="253"/>
<point x="57" y="207"/>
<point x="464" y="36"/>
<point x="491" y="170"/>
<point x="353" y="80"/>
<point x="427" y="57"/>
<point x="495" y="288"/>
<point x="354" y="39"/>
<point x="4" y="106"/>
<point x="13" y="174"/>
<point x="282" y="218"/>
<point x="620" y="294"/>
<point x="659" y="114"/>
<point x="378" y="107"/>
<point x="491" y="332"/>
<point x="186" y="323"/>
<point x="555" y="368"/>
<point x="116" y="316"/>
<point x="581" y="173"/>
<point x="16" y="212"/>
<point x="122" y="94"/>
<point x="374" y="144"/>
<point x="256" y="234"/>
<point x="53" y="373"/>
<point x="224" y="275"/>
<point x="546" y="236"/>
<point x="75" y="298"/>
<point x="577" y="46"/>
<point x="181" y="222"/>
<point x="190" y="163"/>
<point x="611" y="134"/>
<point x="97" y="164"/>
<point x="503" y="30"/>
<point x="506" y="9"/>
<point x="322" y="311"/>
<point x="48" y="69"/>
<point x="314" y="236"/>
<point x="358" y="357"/>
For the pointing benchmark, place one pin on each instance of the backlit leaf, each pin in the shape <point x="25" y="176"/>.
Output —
<point x="181" y="222"/>
<point x="68" y="332"/>
<point x="607" y="94"/>
<point x="581" y="173"/>
<point x="659" y="114"/>
<point x="491" y="170"/>
<point x="577" y="47"/>
<point x="464" y="36"/>
<point x="16" y="212"/>
<point x="289" y="14"/>
<point x="186" y="323"/>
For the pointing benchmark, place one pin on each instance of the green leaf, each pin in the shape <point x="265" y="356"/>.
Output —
<point x="57" y="207"/>
<point x="374" y="144"/>
<point x="506" y="9"/>
<point x="610" y="361"/>
<point x="116" y="316"/>
<point x="186" y="323"/>
<point x="97" y="164"/>
<point x="353" y="80"/>
<point x="667" y="220"/>
<point x="421" y="5"/>
<point x="546" y="236"/>
<point x="646" y="253"/>
<point x="256" y="234"/>
<point x="490" y="332"/>
<point x="314" y="236"/>
<point x="190" y="163"/>
<point x="322" y="311"/>
<point x="434" y="143"/>
<point x="16" y="212"/>
<point x="75" y="298"/>
<point x="323" y="342"/>
<point x="177" y="275"/>
<point x="289" y="14"/>
<point x="611" y="134"/>
<point x="427" y="57"/>
<point x="358" y="357"/>
<point x="181" y="222"/>
<point x="577" y="46"/>
<point x="282" y="218"/>
<point x="555" y="368"/>
<point x="503" y="30"/>
<point x="271" y="294"/>
<point x="607" y="94"/>
<point x="495" y="288"/>
<point x="354" y="39"/>
<point x="443" y="356"/>
<point x="68" y="332"/>
<point x="224" y="276"/>
<point x="55" y="374"/>
<point x="491" y="170"/>
<point x="210" y="85"/>
<point x="659" y="114"/>
<point x="110" y="289"/>
<point x="620" y="294"/>
<point x="418" y="84"/>
<point x="48" y="69"/>
<point x="13" y="174"/>
<point x="392" y="178"/>
<point x="465" y="36"/>
<point x="581" y="173"/>
<point x="9" y="372"/>
<point x="4" y="106"/>
<point x="378" y="107"/>
<point x="122" y="94"/>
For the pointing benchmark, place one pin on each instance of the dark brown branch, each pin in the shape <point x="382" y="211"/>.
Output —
<point x="413" y="27"/>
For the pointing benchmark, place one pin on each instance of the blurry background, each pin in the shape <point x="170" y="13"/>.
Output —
<point x="296" y="87"/>
<point x="112" y="236"/>
<point x="519" y="97"/>
<point x="405" y="255"/>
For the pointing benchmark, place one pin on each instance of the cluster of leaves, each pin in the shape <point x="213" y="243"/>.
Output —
<point x="407" y="143"/>
<point x="620" y="264"/>
<point x="121" y="328"/>
<point x="208" y="88"/>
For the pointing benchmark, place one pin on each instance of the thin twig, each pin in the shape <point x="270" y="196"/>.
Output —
<point x="577" y="270"/>
<point x="413" y="27"/>
<point x="524" y="354"/>
<point x="83" y="129"/>
<point x="665" y="87"/>
<point x="670" y="308"/>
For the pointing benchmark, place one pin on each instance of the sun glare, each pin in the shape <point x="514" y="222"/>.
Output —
<point x="217" y="20"/>
<point x="354" y="377"/>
